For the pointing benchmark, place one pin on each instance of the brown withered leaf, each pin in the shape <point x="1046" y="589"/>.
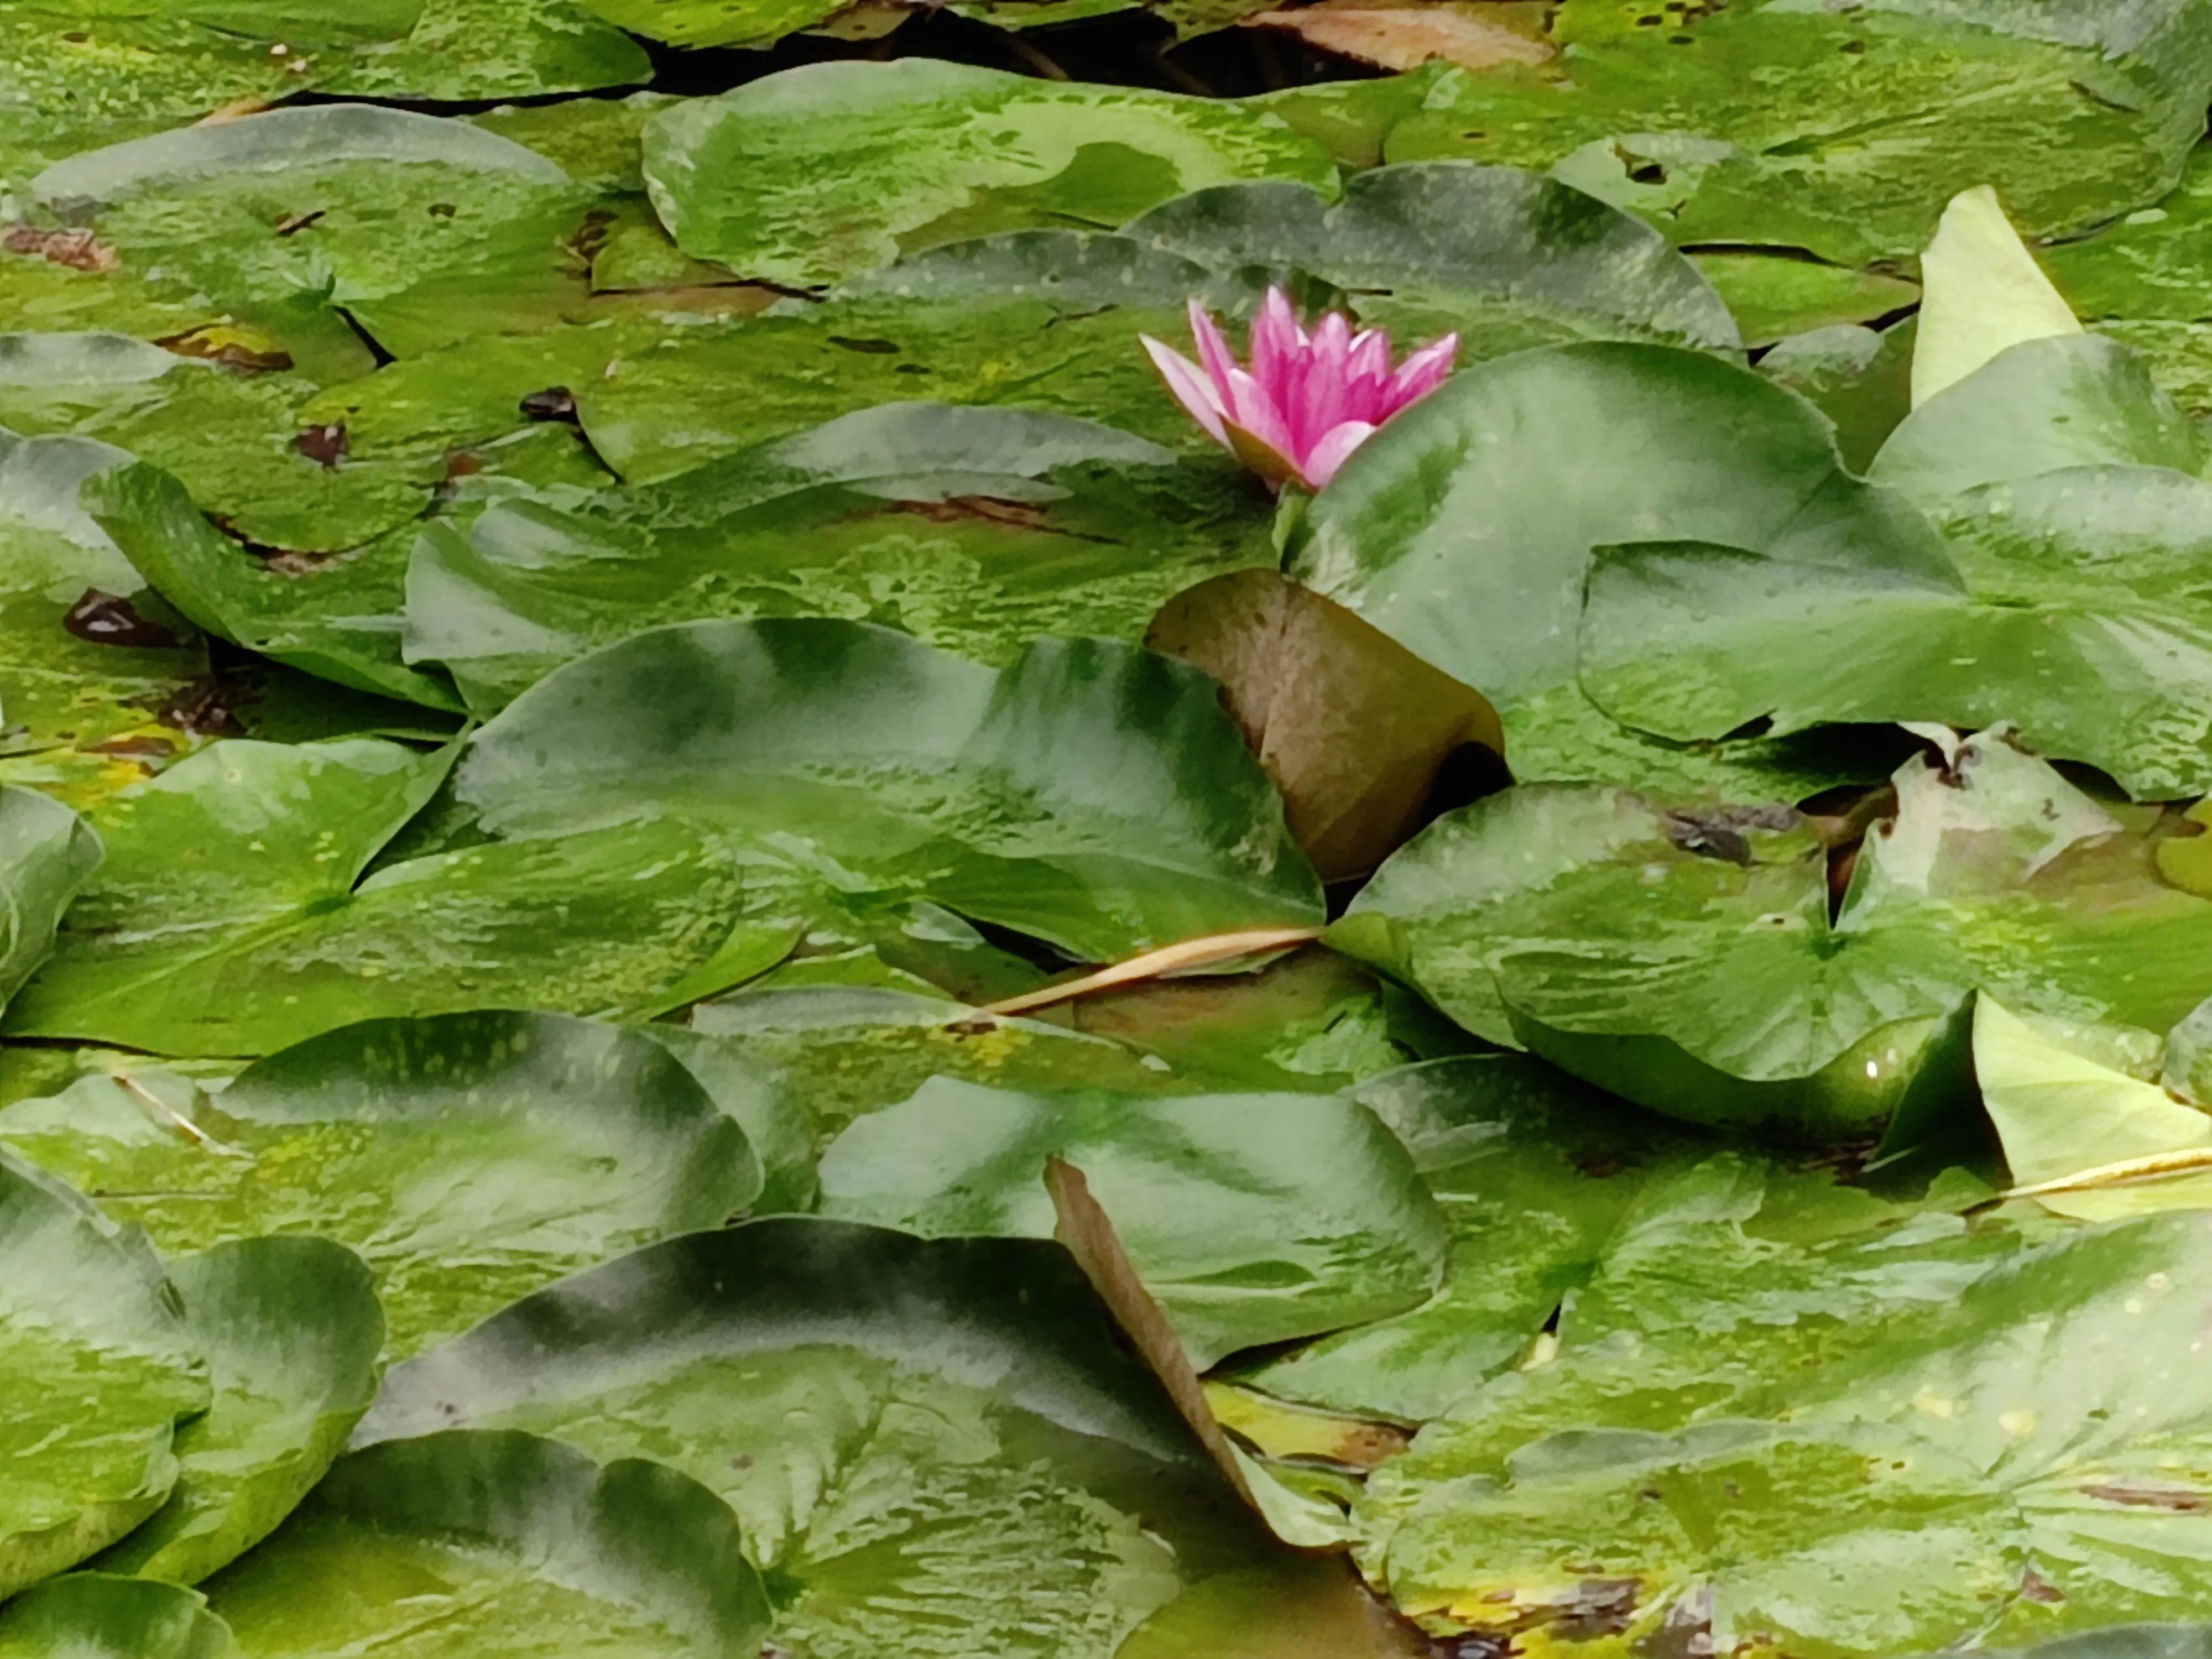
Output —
<point x="1354" y="728"/>
<point x="248" y="350"/>
<point x="325" y="445"/>
<point x="1083" y="1226"/>
<point x="1471" y="34"/>
<point x="80" y="250"/>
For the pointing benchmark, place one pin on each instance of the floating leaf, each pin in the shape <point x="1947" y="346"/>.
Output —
<point x="47" y="854"/>
<point x="233" y="917"/>
<point x="505" y="1542"/>
<point x="1615" y="935"/>
<point x="2053" y="1475"/>
<point x="89" y="1615"/>
<point x="469" y="1159"/>
<point x="846" y="165"/>
<point x="291" y="1329"/>
<point x="1721" y="123"/>
<point x="1535" y="1174"/>
<point x="1488" y="492"/>
<point x="99" y="1368"/>
<point x="935" y="1444"/>
<point x="337" y="617"/>
<point x="2061" y="1115"/>
<point x="1093" y="795"/>
<point x="1252" y="1218"/>
<point x="973" y="529"/>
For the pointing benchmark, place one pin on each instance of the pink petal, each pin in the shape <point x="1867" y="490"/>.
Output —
<point x="1212" y="350"/>
<point x="1424" y="371"/>
<point x="1191" y="387"/>
<point x="1333" y="450"/>
<point x="1370" y="357"/>
<point x="1250" y="407"/>
<point x="1278" y="341"/>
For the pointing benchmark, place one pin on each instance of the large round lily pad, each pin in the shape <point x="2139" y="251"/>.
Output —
<point x="233" y="917"/>
<point x="1252" y="1218"/>
<point x="932" y="1447"/>
<point x="1090" y="793"/>
<point x="504" y="1544"/>
<point x="469" y="1159"/>
<point x="292" y="1330"/>
<point x="974" y="529"/>
<point x="820" y="171"/>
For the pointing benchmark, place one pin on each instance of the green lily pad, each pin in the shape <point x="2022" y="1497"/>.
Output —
<point x="292" y="1328"/>
<point x="1464" y="528"/>
<point x="469" y="1159"/>
<point x="89" y="1615"/>
<point x="2081" y="616"/>
<point x="1614" y="934"/>
<point x="2049" y="1476"/>
<point x="2046" y="405"/>
<point x="1721" y="123"/>
<point x="46" y="855"/>
<point x="1252" y="1218"/>
<point x="933" y="1442"/>
<point x="1535" y="1173"/>
<point x="974" y="529"/>
<point x="99" y="1368"/>
<point x="847" y="1051"/>
<point x="1772" y="296"/>
<point x="1508" y="259"/>
<point x="1090" y="794"/>
<point x="1860" y="380"/>
<point x="502" y="1543"/>
<point x="421" y="228"/>
<point x="716" y="22"/>
<point x="464" y="50"/>
<point x="694" y="394"/>
<point x="821" y="172"/>
<point x="336" y="617"/>
<point x="233" y="917"/>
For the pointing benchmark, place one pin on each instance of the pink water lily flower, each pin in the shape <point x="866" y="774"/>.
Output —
<point x="1307" y="400"/>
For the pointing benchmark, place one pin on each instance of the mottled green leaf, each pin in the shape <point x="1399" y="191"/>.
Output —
<point x="1089" y="794"/>
<point x="292" y="1328"/>
<point x="1252" y="1218"/>
<point x="1535" y="1173"/>
<point x="1843" y="132"/>
<point x="336" y="616"/>
<point x="1617" y="935"/>
<point x="935" y="1448"/>
<point x="2083" y="619"/>
<point x="820" y="171"/>
<point x="47" y="854"/>
<point x="97" y="1368"/>
<point x="1489" y="495"/>
<point x="974" y="529"/>
<point x="469" y="1159"/>
<point x="233" y="917"/>
<point x="89" y="1616"/>
<point x="505" y="1545"/>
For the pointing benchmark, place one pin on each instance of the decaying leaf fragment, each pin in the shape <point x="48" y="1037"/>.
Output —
<point x="1404" y="36"/>
<point x="1353" y="726"/>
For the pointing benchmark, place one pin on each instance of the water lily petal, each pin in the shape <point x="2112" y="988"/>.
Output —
<point x="1278" y="343"/>
<point x="1334" y="447"/>
<point x="1190" y="385"/>
<point x="1424" y="372"/>
<point x="1212" y="349"/>
<point x="1252" y="408"/>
